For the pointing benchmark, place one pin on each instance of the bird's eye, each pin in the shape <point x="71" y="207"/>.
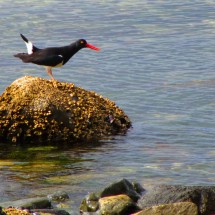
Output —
<point x="81" y="41"/>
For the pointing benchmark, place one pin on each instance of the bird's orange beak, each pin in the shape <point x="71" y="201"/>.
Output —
<point x="90" y="46"/>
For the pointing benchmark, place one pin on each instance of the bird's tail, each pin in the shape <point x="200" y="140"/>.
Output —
<point x="30" y="47"/>
<point x="24" y="38"/>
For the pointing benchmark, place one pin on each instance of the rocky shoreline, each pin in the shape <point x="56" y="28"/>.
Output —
<point x="124" y="198"/>
<point x="34" y="110"/>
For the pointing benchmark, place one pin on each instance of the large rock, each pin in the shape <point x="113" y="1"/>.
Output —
<point x="180" y="208"/>
<point x="202" y="197"/>
<point x="33" y="109"/>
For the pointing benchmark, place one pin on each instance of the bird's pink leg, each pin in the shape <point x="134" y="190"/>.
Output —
<point x="49" y="71"/>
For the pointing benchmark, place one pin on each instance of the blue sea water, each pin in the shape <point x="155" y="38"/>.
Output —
<point x="156" y="62"/>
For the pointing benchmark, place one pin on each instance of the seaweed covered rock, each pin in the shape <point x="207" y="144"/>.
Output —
<point x="36" y="110"/>
<point x="14" y="211"/>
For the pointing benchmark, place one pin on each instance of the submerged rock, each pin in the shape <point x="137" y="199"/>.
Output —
<point x="59" y="196"/>
<point x="33" y="109"/>
<point x="30" y="203"/>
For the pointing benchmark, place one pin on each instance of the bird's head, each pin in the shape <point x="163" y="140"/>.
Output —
<point x="82" y="43"/>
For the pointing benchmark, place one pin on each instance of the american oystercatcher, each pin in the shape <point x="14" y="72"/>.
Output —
<point x="53" y="56"/>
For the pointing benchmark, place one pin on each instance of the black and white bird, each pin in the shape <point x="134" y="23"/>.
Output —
<point x="52" y="56"/>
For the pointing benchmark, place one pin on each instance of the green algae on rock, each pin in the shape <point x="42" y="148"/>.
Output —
<point x="119" y="204"/>
<point x="36" y="110"/>
<point x="117" y="198"/>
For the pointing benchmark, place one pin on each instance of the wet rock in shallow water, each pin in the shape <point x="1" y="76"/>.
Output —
<point x="30" y="207"/>
<point x="90" y="203"/>
<point x="162" y="199"/>
<point x="1" y="211"/>
<point x="119" y="204"/>
<point x="15" y="211"/>
<point x="30" y="203"/>
<point x="123" y="187"/>
<point x="37" y="110"/>
<point x="40" y="203"/>
<point x="180" y="208"/>
<point x="99" y="201"/>
<point x="202" y="197"/>
<point x="59" y="196"/>
<point x="49" y="212"/>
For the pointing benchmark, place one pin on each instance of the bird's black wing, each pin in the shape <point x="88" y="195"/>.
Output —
<point x="52" y="60"/>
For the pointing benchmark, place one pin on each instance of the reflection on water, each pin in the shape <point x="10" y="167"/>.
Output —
<point x="42" y="170"/>
<point x="39" y="162"/>
<point x="156" y="62"/>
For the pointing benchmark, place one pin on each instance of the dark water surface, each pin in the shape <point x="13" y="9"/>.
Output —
<point x="156" y="63"/>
